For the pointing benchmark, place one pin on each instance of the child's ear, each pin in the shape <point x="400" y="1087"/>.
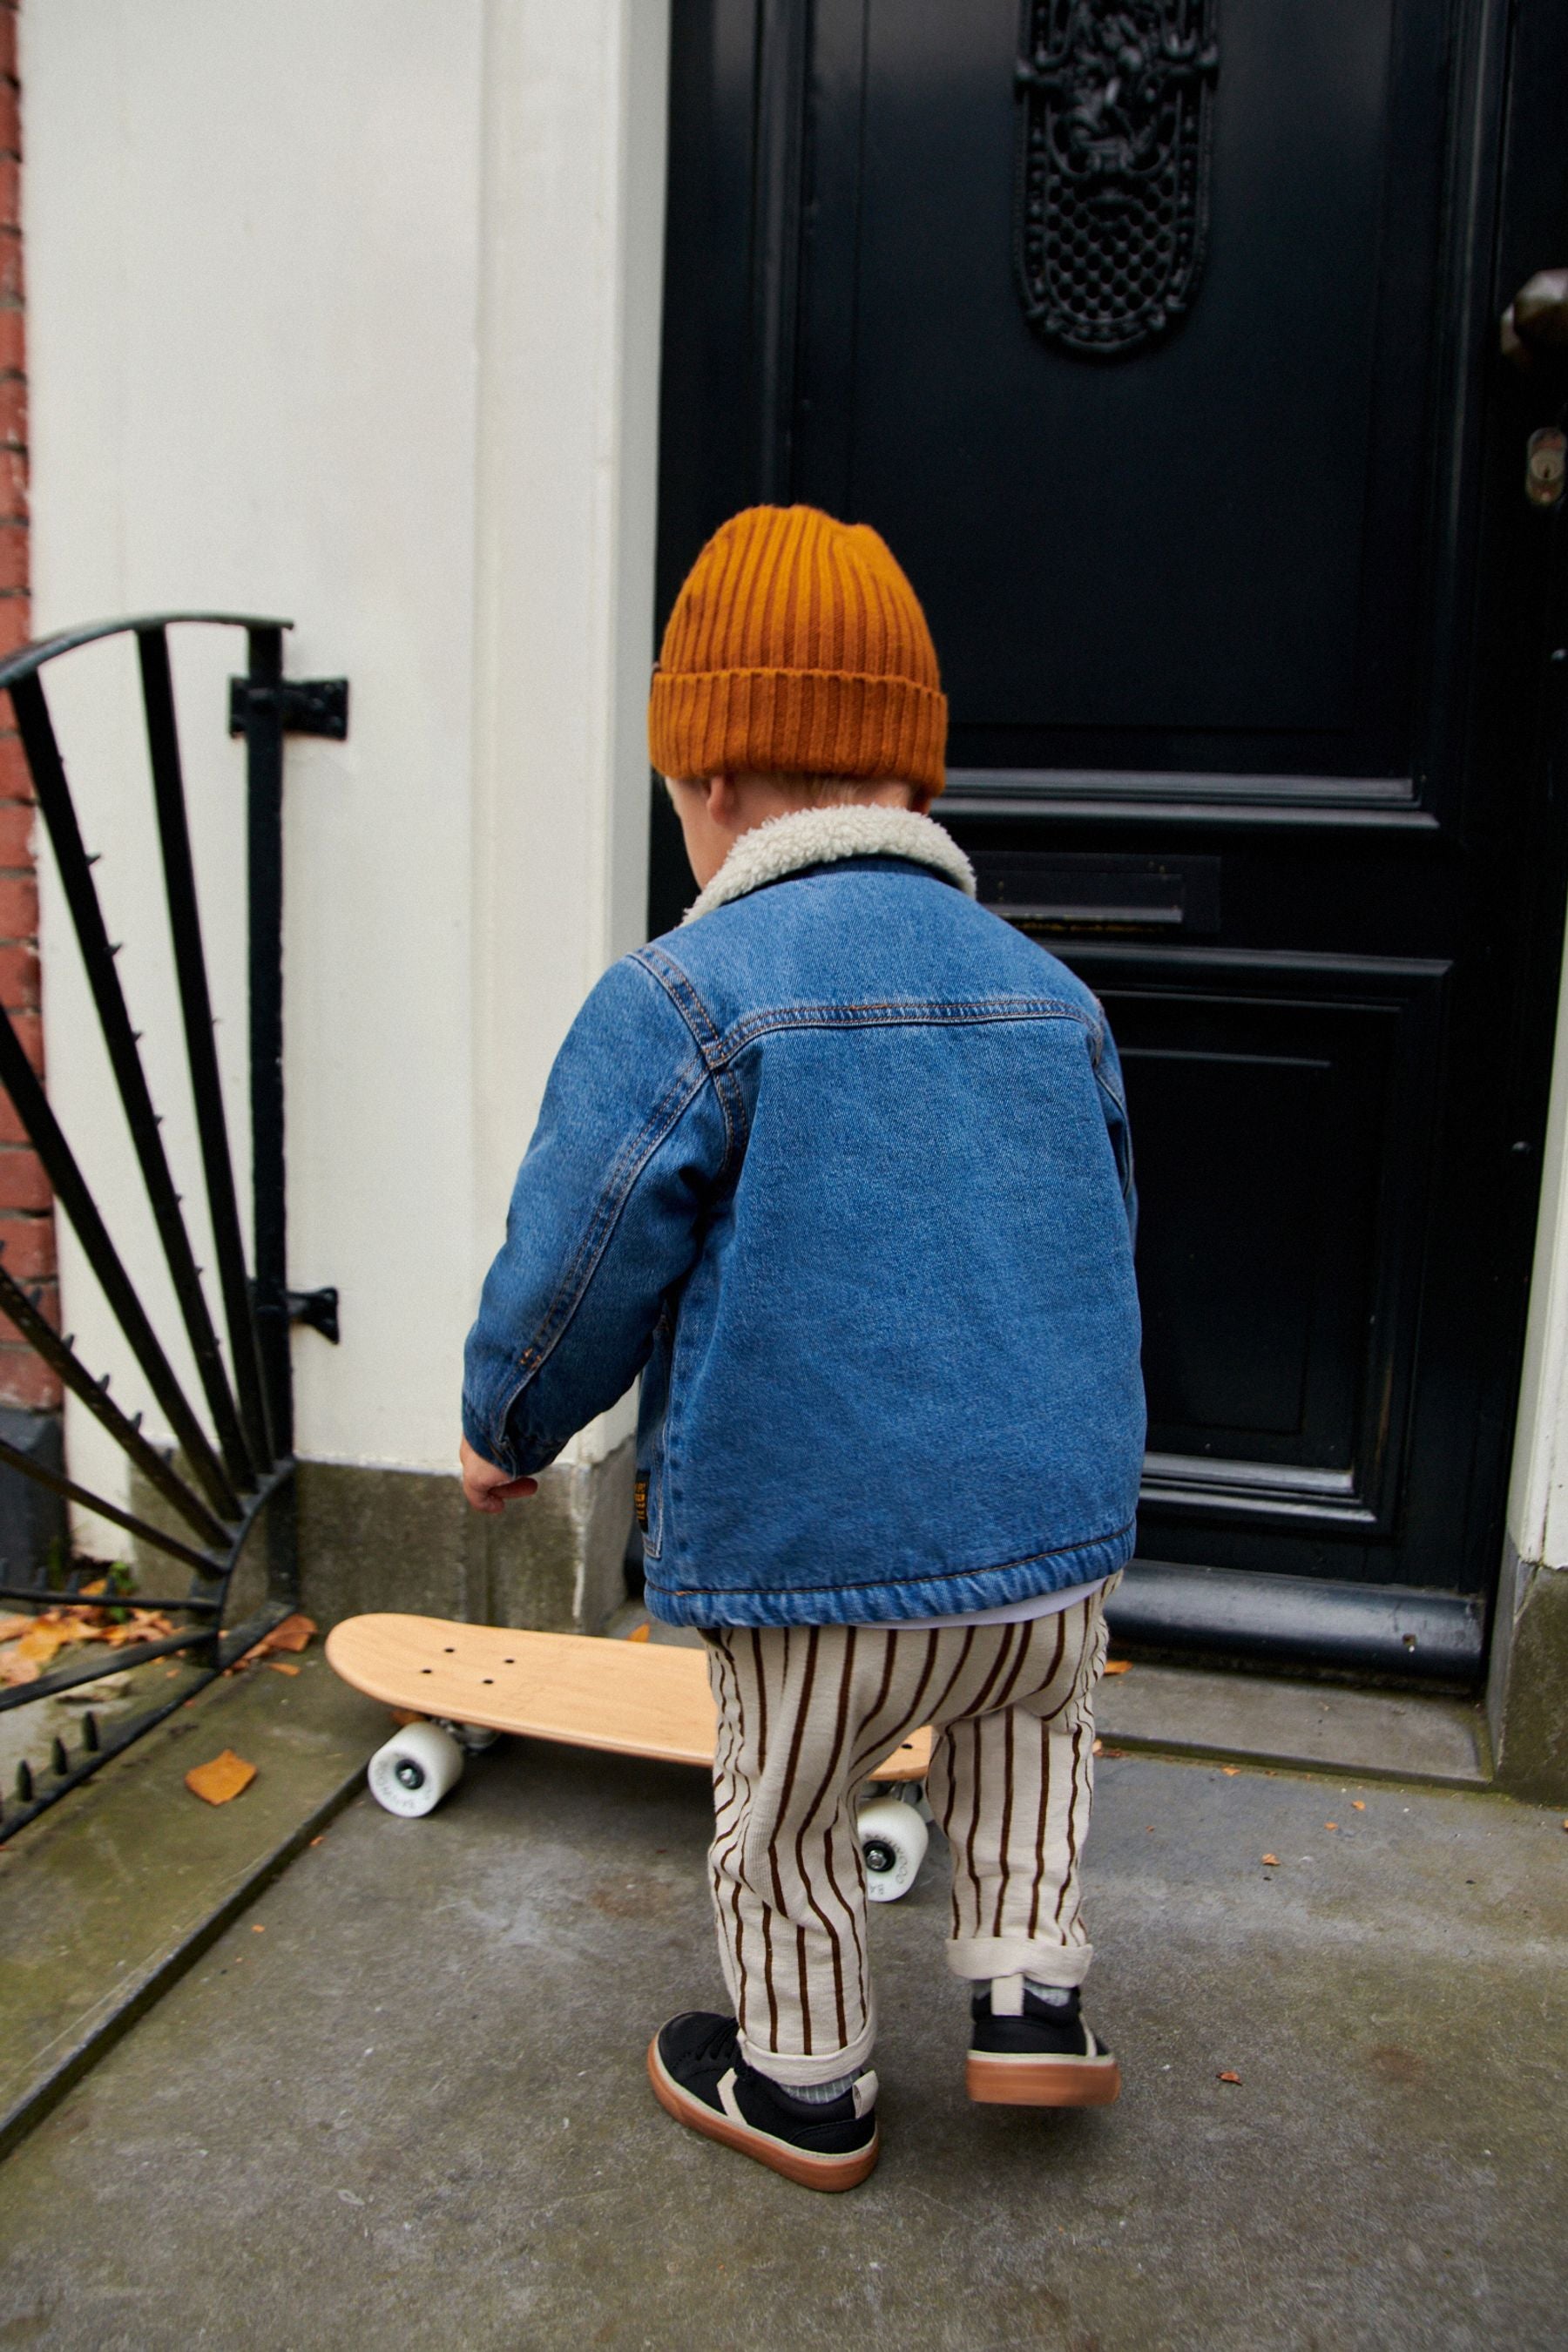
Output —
<point x="724" y="798"/>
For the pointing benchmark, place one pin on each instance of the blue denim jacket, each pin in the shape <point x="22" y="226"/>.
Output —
<point x="842" y="1168"/>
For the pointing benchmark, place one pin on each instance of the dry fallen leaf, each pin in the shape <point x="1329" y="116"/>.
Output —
<point x="639" y="1633"/>
<point x="141" y="1625"/>
<point x="1358" y="1805"/>
<point x="1330" y="1825"/>
<point x="10" y="1627"/>
<point x="224" y="1778"/>
<point x="257" y="1928"/>
<point x="1228" y="2077"/>
<point x="1119" y="1666"/>
<point x="281" y="1666"/>
<point x="48" y="1635"/>
<point x="15" y="1670"/>
<point x="1230" y="1770"/>
<point x="1270" y="1861"/>
<point x="294" y="1633"/>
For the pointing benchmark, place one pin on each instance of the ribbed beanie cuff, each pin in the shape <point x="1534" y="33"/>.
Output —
<point x="788" y="721"/>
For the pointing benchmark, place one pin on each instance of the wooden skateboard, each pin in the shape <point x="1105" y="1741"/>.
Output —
<point x="470" y="1683"/>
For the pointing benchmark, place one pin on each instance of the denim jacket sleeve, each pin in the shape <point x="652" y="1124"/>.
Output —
<point x="605" y="1222"/>
<point x="1113" y="1103"/>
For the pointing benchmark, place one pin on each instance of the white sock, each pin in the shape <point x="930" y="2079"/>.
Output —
<point x="818" y="2094"/>
<point x="1007" y="1995"/>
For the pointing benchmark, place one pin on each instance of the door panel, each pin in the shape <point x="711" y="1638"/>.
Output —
<point x="1238" y="453"/>
<point x="1245" y="723"/>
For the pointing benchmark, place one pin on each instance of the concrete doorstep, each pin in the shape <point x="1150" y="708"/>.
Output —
<point x="403" y="2099"/>
<point x="107" y="1898"/>
<point x="1239" y="1717"/>
<point x="130" y="1879"/>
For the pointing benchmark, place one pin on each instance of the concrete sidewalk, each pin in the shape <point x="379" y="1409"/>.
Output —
<point x="402" y="2101"/>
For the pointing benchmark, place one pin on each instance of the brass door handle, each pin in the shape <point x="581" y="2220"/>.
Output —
<point x="1535" y="324"/>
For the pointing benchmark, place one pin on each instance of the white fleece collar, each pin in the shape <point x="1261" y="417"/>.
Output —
<point x="822" y="836"/>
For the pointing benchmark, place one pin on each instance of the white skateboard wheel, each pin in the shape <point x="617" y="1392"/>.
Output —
<point x="415" y="1769"/>
<point x="893" y="1840"/>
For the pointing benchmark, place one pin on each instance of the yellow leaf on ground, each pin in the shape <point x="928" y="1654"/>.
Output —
<point x="639" y="1633"/>
<point x="1119" y="1666"/>
<point x="46" y="1636"/>
<point x="224" y="1778"/>
<point x="1330" y="1825"/>
<point x="15" y="1671"/>
<point x="1270" y="1861"/>
<point x="1230" y="1770"/>
<point x="1228" y="2077"/>
<point x="142" y="1625"/>
<point x="11" y="1626"/>
<point x="281" y="1666"/>
<point x="1358" y="1805"/>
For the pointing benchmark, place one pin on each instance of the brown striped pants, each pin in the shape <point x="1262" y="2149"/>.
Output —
<point x="805" y="1712"/>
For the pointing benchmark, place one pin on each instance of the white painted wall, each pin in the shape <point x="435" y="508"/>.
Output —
<point x="351" y="314"/>
<point x="1538" y="1498"/>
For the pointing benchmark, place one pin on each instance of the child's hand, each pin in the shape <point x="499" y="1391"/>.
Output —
<point x="487" y="1487"/>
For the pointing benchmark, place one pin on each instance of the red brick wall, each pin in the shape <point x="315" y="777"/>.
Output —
<point x="26" y="1218"/>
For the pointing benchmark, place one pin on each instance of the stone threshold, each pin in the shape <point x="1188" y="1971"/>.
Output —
<point x="1263" y="1719"/>
<point x="1248" y="1718"/>
<point x="106" y="1899"/>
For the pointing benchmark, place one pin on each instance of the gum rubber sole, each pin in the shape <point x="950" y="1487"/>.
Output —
<point x="829" y="2172"/>
<point x="997" y="2082"/>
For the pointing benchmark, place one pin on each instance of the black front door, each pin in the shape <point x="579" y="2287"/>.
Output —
<point x="1158" y="338"/>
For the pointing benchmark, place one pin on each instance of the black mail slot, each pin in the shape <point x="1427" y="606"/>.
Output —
<point x="1068" y="890"/>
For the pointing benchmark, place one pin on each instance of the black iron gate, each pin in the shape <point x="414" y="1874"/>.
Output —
<point x="232" y="1458"/>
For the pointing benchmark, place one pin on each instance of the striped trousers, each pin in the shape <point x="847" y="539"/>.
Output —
<point x="805" y="1713"/>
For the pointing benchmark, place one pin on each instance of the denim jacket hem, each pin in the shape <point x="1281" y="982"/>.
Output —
<point x="887" y="1598"/>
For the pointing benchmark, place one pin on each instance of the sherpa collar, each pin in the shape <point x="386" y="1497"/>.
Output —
<point x="822" y="836"/>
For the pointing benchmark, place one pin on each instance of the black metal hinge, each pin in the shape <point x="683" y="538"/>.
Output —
<point x="318" y="1308"/>
<point x="306" y="706"/>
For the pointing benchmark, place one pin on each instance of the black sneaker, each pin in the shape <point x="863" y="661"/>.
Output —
<point x="698" y="2073"/>
<point x="1046" y="2058"/>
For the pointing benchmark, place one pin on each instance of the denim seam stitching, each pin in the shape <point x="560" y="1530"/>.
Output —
<point x="913" y="1015"/>
<point x="632" y="1159"/>
<point x="682" y="993"/>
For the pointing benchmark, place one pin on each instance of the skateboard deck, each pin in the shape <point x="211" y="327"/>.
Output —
<point x="632" y="1698"/>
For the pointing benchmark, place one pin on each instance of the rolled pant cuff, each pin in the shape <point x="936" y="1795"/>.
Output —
<point x="822" y="2067"/>
<point x="979" y="1957"/>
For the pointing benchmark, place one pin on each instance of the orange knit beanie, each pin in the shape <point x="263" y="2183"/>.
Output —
<point x="797" y="646"/>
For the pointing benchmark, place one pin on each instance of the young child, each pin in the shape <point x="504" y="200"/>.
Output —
<point x="842" y="1168"/>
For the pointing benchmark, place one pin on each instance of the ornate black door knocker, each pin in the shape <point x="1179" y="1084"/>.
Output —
<point x="1115" y="99"/>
